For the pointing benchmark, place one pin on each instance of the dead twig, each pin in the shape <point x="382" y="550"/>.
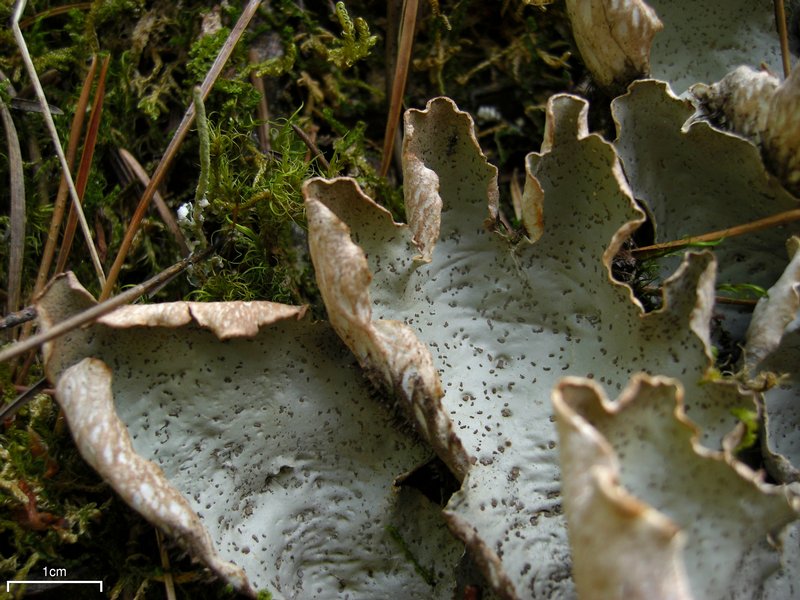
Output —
<point x="17" y="318"/>
<point x="312" y="146"/>
<point x="183" y="129"/>
<point x="98" y="310"/>
<point x="9" y="410"/>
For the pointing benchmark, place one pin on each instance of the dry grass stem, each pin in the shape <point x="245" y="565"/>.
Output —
<point x="410" y="8"/>
<point x="54" y="12"/>
<point x="59" y="207"/>
<point x="773" y="221"/>
<point x="134" y="169"/>
<point x="61" y="197"/>
<point x="51" y="126"/>
<point x="312" y="147"/>
<point x="16" y="250"/>
<point x="8" y="411"/>
<point x="262" y="108"/>
<point x="169" y="582"/>
<point x="98" y="310"/>
<point x="183" y="129"/>
<point x="783" y="36"/>
<point x="84" y="167"/>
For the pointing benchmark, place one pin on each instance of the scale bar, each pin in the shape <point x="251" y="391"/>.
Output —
<point x="53" y="581"/>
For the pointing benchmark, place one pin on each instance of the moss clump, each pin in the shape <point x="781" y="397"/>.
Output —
<point x="355" y="43"/>
<point x="252" y="211"/>
<point x="54" y="511"/>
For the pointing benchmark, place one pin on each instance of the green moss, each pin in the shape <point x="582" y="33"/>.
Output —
<point x="234" y="94"/>
<point x="51" y="502"/>
<point x="355" y="43"/>
<point x="253" y="209"/>
<point x="283" y="63"/>
<point x="151" y="80"/>
<point x="751" y="424"/>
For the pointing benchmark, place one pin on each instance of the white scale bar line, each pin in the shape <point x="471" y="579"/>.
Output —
<point x="45" y="582"/>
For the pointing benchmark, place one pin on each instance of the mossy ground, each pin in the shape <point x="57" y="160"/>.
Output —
<point x="324" y="69"/>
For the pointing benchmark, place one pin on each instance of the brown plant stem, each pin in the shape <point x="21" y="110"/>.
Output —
<point x="717" y="299"/>
<point x="409" y="20"/>
<point x="84" y="167"/>
<point x="98" y="310"/>
<point x="736" y="301"/>
<point x="311" y="146"/>
<point x="262" y="110"/>
<point x="54" y="12"/>
<point x="183" y="129"/>
<point x="51" y="126"/>
<point x="60" y="205"/>
<point x="169" y="581"/>
<point x="134" y="167"/>
<point x="8" y="411"/>
<point x="16" y="244"/>
<point x="752" y="227"/>
<point x="783" y="35"/>
<point x="61" y="197"/>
